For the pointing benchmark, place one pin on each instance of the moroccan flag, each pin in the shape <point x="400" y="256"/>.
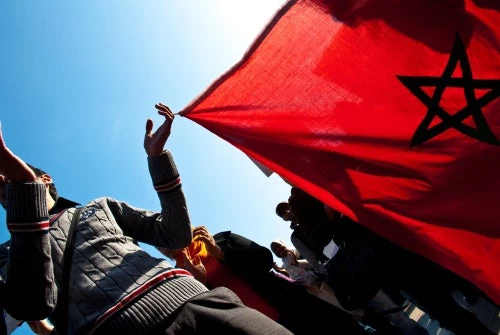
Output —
<point x="386" y="110"/>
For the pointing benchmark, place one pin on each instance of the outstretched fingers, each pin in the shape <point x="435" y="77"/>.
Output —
<point x="164" y="110"/>
<point x="164" y="130"/>
<point x="202" y="232"/>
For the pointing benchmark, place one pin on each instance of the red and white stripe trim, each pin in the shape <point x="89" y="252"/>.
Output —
<point x="168" y="186"/>
<point x="141" y="289"/>
<point x="27" y="227"/>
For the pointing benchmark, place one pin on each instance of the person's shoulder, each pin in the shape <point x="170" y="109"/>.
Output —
<point x="100" y="202"/>
<point x="222" y="236"/>
<point x="103" y="199"/>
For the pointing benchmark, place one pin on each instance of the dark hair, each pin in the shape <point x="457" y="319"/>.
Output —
<point x="52" y="187"/>
<point x="281" y="208"/>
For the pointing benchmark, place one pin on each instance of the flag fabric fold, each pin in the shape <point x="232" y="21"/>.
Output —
<point x="386" y="110"/>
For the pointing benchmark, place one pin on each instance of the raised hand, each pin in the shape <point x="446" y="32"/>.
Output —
<point x="195" y="266"/>
<point x="13" y="168"/>
<point x="155" y="141"/>
<point x="201" y="233"/>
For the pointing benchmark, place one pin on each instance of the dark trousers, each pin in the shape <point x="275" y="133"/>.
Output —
<point x="220" y="311"/>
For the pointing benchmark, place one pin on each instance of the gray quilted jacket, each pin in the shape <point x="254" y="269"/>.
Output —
<point x="115" y="286"/>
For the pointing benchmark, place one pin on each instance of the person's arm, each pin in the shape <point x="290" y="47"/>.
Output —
<point x="244" y="255"/>
<point x="304" y="264"/>
<point x="307" y="254"/>
<point x="172" y="227"/>
<point x="281" y="270"/>
<point x="30" y="292"/>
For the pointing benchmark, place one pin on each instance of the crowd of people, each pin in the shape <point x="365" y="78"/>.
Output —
<point x="365" y="271"/>
<point x="72" y="268"/>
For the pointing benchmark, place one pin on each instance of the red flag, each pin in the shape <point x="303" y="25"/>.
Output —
<point x="386" y="110"/>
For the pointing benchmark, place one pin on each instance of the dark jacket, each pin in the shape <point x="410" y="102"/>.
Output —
<point x="296" y="305"/>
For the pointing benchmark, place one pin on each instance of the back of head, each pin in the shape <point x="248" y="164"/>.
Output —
<point x="281" y="209"/>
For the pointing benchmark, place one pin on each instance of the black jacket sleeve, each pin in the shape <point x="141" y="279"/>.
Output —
<point x="243" y="255"/>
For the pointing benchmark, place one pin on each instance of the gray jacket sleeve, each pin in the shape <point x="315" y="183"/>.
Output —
<point x="172" y="227"/>
<point x="30" y="292"/>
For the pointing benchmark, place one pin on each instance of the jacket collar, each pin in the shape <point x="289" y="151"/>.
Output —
<point x="62" y="204"/>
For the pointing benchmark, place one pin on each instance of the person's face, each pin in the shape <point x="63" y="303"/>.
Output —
<point x="279" y="249"/>
<point x="287" y="215"/>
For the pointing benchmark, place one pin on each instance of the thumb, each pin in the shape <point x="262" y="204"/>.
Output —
<point x="149" y="126"/>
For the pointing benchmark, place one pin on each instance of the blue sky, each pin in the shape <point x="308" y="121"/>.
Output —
<point x="78" y="79"/>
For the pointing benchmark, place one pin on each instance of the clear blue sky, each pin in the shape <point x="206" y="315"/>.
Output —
<point x="78" y="79"/>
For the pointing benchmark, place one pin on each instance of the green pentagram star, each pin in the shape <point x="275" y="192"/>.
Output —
<point x="482" y="131"/>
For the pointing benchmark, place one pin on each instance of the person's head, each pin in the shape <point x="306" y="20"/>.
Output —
<point x="279" y="248"/>
<point x="41" y="175"/>
<point x="46" y="179"/>
<point x="284" y="211"/>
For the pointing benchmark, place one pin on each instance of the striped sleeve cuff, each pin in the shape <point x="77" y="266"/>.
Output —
<point x="164" y="173"/>
<point x="27" y="210"/>
<point x="169" y="186"/>
<point x="28" y="227"/>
